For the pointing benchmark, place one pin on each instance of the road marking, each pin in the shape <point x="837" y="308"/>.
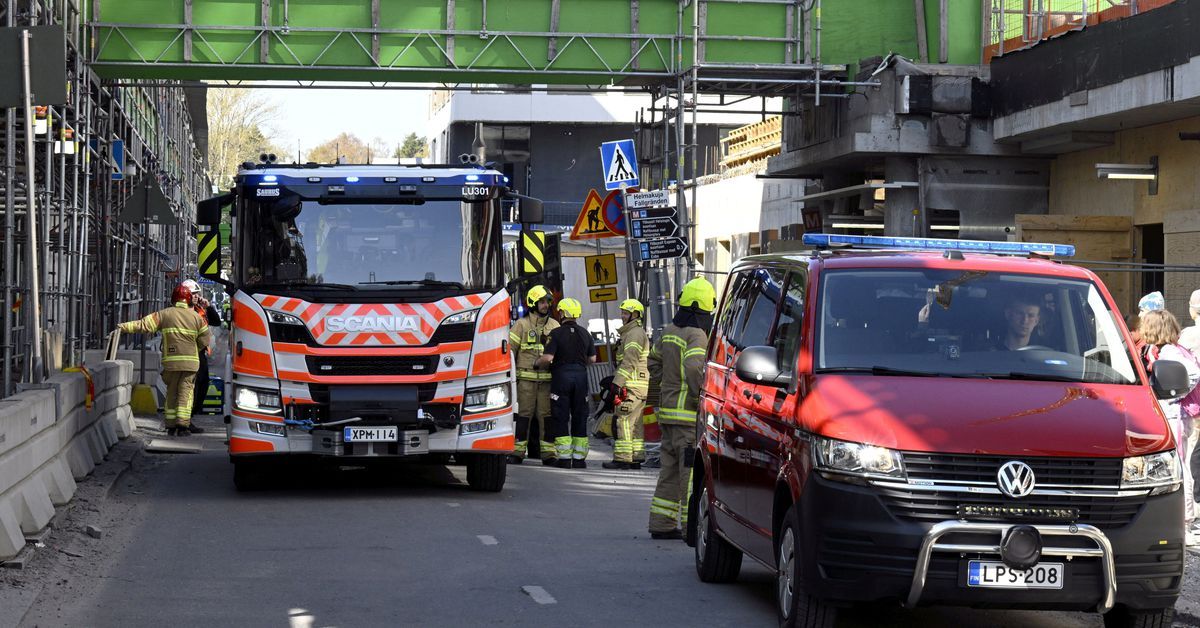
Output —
<point x="487" y="539"/>
<point x="300" y="618"/>
<point x="539" y="595"/>
<point x="453" y="504"/>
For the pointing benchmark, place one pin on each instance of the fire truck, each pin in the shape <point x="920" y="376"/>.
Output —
<point x="370" y="315"/>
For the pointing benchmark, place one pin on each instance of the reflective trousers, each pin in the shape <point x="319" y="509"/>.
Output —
<point x="668" y="508"/>
<point x="627" y="430"/>
<point x="533" y="422"/>
<point x="568" y="400"/>
<point x="178" y="405"/>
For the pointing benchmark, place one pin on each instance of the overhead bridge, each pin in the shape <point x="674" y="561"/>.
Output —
<point x="446" y="41"/>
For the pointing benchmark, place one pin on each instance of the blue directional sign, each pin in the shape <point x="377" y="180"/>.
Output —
<point x="619" y="162"/>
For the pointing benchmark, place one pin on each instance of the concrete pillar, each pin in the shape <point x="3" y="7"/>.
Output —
<point x="899" y="219"/>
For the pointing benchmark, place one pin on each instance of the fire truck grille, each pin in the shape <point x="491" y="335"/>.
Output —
<point x="372" y="365"/>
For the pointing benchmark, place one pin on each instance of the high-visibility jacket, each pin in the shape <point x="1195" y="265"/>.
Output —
<point x="526" y="337"/>
<point x="632" y="373"/>
<point x="185" y="335"/>
<point x="677" y="371"/>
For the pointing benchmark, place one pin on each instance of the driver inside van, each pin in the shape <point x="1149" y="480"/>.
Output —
<point x="1021" y="318"/>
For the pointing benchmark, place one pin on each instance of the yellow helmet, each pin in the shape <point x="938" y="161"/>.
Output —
<point x="699" y="293"/>
<point x="570" y="308"/>
<point x="633" y="305"/>
<point x="535" y="294"/>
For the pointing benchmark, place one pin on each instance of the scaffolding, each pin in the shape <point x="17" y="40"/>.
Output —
<point x="72" y="269"/>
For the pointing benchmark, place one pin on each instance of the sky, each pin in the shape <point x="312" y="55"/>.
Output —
<point x="312" y="116"/>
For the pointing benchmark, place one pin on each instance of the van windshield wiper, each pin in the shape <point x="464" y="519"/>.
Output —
<point x="1046" y="377"/>
<point x="881" y="370"/>
<point x="415" y="282"/>
<point x="306" y="286"/>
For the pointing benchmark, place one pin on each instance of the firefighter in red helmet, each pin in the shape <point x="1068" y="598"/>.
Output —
<point x="185" y="335"/>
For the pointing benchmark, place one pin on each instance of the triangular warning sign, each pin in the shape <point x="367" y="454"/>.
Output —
<point x="590" y="223"/>
<point x="619" y="168"/>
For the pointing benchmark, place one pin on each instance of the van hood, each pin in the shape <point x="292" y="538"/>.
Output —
<point x="979" y="416"/>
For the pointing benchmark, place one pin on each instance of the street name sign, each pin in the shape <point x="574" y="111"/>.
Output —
<point x="650" y="198"/>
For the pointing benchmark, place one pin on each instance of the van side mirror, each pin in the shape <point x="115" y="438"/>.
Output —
<point x="760" y="365"/>
<point x="1169" y="379"/>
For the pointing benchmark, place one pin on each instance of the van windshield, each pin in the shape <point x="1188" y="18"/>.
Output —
<point x="969" y="324"/>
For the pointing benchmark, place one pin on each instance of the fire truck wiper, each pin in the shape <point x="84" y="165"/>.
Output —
<point x="417" y="282"/>
<point x="307" y="286"/>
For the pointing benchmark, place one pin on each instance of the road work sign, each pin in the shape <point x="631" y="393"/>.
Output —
<point x="620" y="164"/>
<point x="601" y="269"/>
<point x="651" y="198"/>
<point x="602" y="295"/>
<point x="591" y="223"/>
<point x="664" y="248"/>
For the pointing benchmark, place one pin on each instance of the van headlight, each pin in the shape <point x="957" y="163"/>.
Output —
<point x="257" y="400"/>
<point x="839" y="456"/>
<point x="487" y="398"/>
<point x="1159" y="472"/>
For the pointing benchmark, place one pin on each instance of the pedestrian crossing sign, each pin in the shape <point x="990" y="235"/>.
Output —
<point x="591" y="224"/>
<point x="619" y="161"/>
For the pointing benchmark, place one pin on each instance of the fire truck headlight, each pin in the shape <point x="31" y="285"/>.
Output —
<point x="484" y="399"/>
<point x="284" y="319"/>
<point x="462" y="317"/>
<point x="257" y="400"/>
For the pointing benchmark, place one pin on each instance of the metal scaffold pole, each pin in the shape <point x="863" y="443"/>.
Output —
<point x="10" y="230"/>
<point x="31" y="262"/>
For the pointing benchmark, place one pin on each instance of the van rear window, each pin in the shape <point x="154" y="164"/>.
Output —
<point x="969" y="324"/>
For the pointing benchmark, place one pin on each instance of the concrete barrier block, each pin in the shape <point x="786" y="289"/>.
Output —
<point x="79" y="458"/>
<point x="34" y="508"/>
<point x="57" y="477"/>
<point x="125" y="425"/>
<point x="11" y="537"/>
<point x="106" y="428"/>
<point x="95" y="445"/>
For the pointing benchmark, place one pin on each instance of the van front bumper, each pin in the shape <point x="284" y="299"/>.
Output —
<point x="857" y="551"/>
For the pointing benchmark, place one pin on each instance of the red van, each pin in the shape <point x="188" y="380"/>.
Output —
<point x="936" y="426"/>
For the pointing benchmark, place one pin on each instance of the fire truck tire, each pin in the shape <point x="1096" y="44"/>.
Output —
<point x="486" y="472"/>
<point x="249" y="476"/>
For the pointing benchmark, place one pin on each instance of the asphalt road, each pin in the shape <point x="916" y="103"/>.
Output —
<point x="415" y="548"/>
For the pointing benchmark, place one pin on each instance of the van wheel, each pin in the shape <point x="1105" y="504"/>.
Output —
<point x="486" y="472"/>
<point x="249" y="475"/>
<point x="717" y="560"/>
<point x="796" y="608"/>
<point x="1124" y="617"/>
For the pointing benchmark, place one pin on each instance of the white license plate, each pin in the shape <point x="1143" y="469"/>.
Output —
<point x="369" y="434"/>
<point x="984" y="573"/>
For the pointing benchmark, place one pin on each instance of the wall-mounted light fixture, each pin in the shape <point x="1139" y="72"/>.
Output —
<point x="1144" y="172"/>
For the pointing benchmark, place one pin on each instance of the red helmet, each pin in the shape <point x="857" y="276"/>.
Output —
<point x="181" y="293"/>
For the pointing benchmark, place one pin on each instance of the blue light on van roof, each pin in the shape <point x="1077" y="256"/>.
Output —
<point x="351" y="179"/>
<point x="938" y="244"/>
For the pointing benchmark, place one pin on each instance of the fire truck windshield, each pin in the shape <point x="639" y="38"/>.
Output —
<point x="448" y="243"/>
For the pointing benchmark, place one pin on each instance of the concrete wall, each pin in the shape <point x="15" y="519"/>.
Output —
<point x="49" y="439"/>
<point x="1075" y="190"/>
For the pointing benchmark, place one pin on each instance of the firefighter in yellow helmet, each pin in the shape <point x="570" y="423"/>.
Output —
<point x="677" y="371"/>
<point x="568" y="353"/>
<point x="629" y="386"/>
<point x="528" y="338"/>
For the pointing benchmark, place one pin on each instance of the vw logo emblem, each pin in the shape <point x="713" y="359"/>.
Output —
<point x="1015" y="479"/>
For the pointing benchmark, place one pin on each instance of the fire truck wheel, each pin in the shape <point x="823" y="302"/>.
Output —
<point x="486" y="472"/>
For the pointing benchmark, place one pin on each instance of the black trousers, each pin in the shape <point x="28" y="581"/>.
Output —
<point x="568" y="402"/>
<point x="201" y="390"/>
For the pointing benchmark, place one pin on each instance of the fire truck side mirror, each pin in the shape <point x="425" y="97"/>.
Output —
<point x="530" y="208"/>
<point x="208" y="211"/>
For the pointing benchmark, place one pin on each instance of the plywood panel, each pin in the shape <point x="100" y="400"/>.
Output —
<point x="1095" y="238"/>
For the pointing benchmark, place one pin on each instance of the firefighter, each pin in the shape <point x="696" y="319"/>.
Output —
<point x="570" y="350"/>
<point x="185" y="335"/>
<point x="212" y="318"/>
<point x="677" y="370"/>
<point x="528" y="337"/>
<point x="628" y="389"/>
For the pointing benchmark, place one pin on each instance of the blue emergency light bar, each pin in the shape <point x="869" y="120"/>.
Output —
<point x="827" y="240"/>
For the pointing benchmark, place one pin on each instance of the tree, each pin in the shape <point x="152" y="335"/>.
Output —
<point x="240" y="127"/>
<point x="346" y="145"/>
<point x="413" y="146"/>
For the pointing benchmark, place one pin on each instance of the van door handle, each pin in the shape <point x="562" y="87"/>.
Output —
<point x="757" y="397"/>
<point x="746" y="393"/>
